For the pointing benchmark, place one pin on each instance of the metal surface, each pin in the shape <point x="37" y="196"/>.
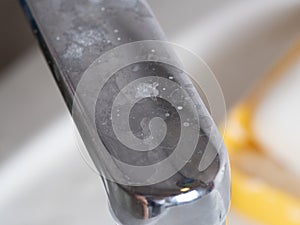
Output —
<point x="73" y="34"/>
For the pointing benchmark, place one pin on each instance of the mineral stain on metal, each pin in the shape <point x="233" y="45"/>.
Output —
<point x="75" y="33"/>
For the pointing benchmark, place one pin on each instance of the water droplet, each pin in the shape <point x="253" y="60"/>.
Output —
<point x="164" y="89"/>
<point x="171" y="77"/>
<point x="186" y="124"/>
<point x="118" y="115"/>
<point x="103" y="9"/>
<point x="152" y="50"/>
<point x="58" y="38"/>
<point x="116" y="31"/>
<point x="119" y="39"/>
<point x="179" y="107"/>
<point x="167" y="114"/>
<point x="108" y="41"/>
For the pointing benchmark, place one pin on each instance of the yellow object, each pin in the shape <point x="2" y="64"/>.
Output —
<point x="250" y="195"/>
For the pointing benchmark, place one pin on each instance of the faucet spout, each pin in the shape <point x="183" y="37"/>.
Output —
<point x="143" y="123"/>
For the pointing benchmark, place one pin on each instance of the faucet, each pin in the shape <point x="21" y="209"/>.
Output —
<point x="150" y="136"/>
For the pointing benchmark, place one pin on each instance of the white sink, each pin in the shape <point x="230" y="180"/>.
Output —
<point x="45" y="180"/>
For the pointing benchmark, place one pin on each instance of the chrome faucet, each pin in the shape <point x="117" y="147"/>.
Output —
<point x="117" y="74"/>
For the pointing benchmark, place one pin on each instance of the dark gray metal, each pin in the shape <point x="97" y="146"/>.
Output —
<point x="73" y="34"/>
